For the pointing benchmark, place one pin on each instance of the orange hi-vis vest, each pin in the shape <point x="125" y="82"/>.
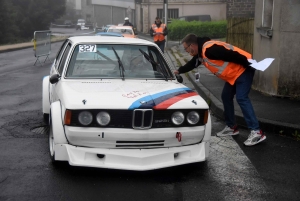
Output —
<point x="225" y="70"/>
<point x="161" y="29"/>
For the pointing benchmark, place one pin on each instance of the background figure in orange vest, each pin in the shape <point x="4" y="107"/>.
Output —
<point x="158" y="31"/>
<point x="230" y="64"/>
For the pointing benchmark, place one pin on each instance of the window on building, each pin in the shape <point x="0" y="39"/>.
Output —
<point x="267" y="15"/>
<point x="172" y="13"/>
<point x="88" y="2"/>
<point x="88" y="18"/>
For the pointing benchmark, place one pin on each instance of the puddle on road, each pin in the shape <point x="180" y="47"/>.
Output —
<point x="28" y="124"/>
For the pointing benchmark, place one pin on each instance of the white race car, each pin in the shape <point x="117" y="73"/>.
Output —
<point x="113" y="102"/>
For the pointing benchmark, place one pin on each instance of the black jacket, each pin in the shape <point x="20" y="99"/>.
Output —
<point x="215" y="52"/>
<point x="158" y="25"/>
<point x="127" y="23"/>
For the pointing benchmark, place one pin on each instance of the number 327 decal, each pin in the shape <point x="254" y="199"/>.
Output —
<point x="87" y="48"/>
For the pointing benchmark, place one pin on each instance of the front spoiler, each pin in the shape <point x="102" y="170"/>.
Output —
<point x="132" y="159"/>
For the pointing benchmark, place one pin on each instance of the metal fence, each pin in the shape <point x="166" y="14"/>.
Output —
<point x="240" y="33"/>
<point x="42" y="44"/>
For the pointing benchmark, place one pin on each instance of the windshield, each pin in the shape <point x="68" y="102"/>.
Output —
<point x="100" y="61"/>
<point x="123" y="31"/>
<point x="81" y="21"/>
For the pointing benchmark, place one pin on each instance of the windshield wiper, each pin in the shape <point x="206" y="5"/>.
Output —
<point x="121" y="67"/>
<point x="154" y="63"/>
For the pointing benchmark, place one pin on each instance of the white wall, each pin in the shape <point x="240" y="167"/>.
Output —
<point x="78" y="4"/>
<point x="116" y="3"/>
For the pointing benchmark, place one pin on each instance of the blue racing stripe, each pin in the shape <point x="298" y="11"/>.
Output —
<point x="159" y="97"/>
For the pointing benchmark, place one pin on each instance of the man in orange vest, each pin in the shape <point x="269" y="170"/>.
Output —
<point x="230" y="64"/>
<point x="158" y="31"/>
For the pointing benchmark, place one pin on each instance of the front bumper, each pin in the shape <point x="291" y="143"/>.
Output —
<point x="132" y="159"/>
<point x="115" y="137"/>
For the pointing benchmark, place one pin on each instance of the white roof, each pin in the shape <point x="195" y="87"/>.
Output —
<point x="120" y="27"/>
<point x="109" y="40"/>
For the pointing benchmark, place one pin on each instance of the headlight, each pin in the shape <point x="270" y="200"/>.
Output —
<point x="193" y="117"/>
<point x="85" y="118"/>
<point x="177" y="118"/>
<point x="103" y="118"/>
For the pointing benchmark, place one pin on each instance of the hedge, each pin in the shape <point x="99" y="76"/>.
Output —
<point x="214" y="29"/>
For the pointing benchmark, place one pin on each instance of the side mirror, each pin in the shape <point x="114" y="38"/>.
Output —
<point x="54" y="78"/>
<point x="179" y="78"/>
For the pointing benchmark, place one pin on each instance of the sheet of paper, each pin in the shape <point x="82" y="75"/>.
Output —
<point x="262" y="65"/>
<point x="252" y="61"/>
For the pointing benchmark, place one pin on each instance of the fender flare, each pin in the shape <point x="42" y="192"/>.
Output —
<point x="57" y="123"/>
<point x="45" y="98"/>
<point x="207" y="134"/>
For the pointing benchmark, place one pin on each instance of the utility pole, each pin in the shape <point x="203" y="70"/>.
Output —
<point x="165" y="9"/>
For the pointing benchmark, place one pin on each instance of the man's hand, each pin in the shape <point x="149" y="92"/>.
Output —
<point x="176" y="72"/>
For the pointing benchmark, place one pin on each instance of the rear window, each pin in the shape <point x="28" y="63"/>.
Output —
<point x="202" y="18"/>
<point x="122" y="31"/>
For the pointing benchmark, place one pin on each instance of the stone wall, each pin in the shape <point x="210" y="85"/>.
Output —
<point x="240" y="8"/>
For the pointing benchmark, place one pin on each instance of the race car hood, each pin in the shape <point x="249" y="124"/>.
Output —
<point x="133" y="94"/>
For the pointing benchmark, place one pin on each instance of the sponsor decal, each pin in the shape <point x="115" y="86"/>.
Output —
<point x="162" y="121"/>
<point x="134" y="94"/>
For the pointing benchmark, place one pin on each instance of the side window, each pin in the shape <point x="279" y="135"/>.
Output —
<point x="58" y="56"/>
<point x="63" y="60"/>
<point x="157" y="57"/>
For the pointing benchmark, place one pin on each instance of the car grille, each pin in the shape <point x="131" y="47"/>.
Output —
<point x="138" y="118"/>
<point x="142" y="118"/>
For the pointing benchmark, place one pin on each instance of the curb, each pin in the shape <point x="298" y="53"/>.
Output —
<point x="216" y="108"/>
<point x="14" y="47"/>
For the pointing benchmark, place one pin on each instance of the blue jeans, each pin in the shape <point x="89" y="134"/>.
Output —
<point x="161" y="45"/>
<point x="241" y="89"/>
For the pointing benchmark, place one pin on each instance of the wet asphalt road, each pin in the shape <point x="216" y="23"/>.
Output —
<point x="269" y="171"/>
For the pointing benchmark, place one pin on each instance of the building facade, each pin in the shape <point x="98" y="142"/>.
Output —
<point x="240" y="8"/>
<point x="147" y="10"/>
<point x="103" y="12"/>
<point x="277" y="35"/>
<point x="143" y="12"/>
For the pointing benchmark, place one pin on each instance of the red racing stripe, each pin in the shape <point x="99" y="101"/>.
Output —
<point x="167" y="103"/>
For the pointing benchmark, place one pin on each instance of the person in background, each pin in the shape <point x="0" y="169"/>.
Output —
<point x="127" y="23"/>
<point x="230" y="64"/>
<point x="158" y="31"/>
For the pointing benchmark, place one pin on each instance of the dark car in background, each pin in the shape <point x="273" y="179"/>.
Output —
<point x="202" y="18"/>
<point x="68" y="23"/>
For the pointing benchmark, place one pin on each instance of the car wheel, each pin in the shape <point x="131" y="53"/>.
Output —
<point x="46" y="118"/>
<point x="51" y="143"/>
